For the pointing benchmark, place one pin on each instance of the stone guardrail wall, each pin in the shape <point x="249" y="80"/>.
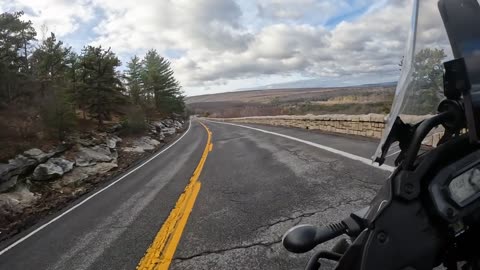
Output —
<point x="370" y="125"/>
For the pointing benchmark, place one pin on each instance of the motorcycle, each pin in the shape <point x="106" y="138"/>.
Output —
<point x="427" y="213"/>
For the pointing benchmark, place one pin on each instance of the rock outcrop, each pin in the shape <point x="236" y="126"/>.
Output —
<point x="10" y="172"/>
<point x="89" y="154"/>
<point x="14" y="202"/>
<point x="79" y="174"/>
<point x="53" y="168"/>
<point x="38" y="155"/>
<point x="165" y="128"/>
<point x="112" y="141"/>
<point x="142" y="144"/>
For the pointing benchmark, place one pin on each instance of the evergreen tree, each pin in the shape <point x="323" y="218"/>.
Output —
<point x="49" y="62"/>
<point x="16" y="37"/>
<point x="57" y="111"/>
<point x="101" y="92"/>
<point x="72" y="74"/>
<point x="160" y="85"/>
<point x="134" y="80"/>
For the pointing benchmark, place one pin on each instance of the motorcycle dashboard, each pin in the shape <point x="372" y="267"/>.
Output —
<point x="455" y="190"/>
<point x="465" y="188"/>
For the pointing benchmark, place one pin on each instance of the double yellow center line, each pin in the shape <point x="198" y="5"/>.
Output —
<point x="160" y="253"/>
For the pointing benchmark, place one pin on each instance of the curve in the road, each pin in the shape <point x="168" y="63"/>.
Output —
<point x="323" y="147"/>
<point x="93" y="195"/>
<point x="160" y="253"/>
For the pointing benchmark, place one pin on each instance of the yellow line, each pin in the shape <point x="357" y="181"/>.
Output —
<point x="160" y="253"/>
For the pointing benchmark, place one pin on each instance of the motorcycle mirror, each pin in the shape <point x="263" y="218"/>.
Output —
<point x="300" y="238"/>
<point x="303" y="238"/>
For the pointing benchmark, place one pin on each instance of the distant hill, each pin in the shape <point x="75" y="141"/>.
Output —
<point x="371" y="98"/>
<point x="266" y="95"/>
<point x="314" y="83"/>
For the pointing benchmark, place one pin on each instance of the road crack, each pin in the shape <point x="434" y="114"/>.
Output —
<point x="373" y="187"/>
<point x="221" y="251"/>
<point x="331" y="165"/>
<point x="309" y="214"/>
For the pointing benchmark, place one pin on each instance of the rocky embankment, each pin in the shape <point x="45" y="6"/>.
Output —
<point x="37" y="182"/>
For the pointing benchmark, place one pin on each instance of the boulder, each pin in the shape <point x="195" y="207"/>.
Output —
<point x="152" y="129"/>
<point x="22" y="164"/>
<point x="168" y="123"/>
<point x="79" y="174"/>
<point x="142" y="144"/>
<point x="53" y="168"/>
<point x="14" y="202"/>
<point x="112" y="141"/>
<point x="148" y="140"/>
<point x="135" y="149"/>
<point x="115" y="128"/>
<point x="161" y="136"/>
<point x="177" y="125"/>
<point x="8" y="183"/>
<point x="158" y="124"/>
<point x="90" y="156"/>
<point x="10" y="171"/>
<point x="38" y="155"/>
<point x="7" y="172"/>
<point x="101" y="168"/>
<point x="169" y="131"/>
<point x="82" y="160"/>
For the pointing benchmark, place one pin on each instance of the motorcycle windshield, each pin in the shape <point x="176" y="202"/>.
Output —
<point x="420" y="86"/>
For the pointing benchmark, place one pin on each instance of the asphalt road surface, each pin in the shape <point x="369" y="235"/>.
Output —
<point x="219" y="204"/>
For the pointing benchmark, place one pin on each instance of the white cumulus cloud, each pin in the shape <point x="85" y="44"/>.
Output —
<point x="221" y="42"/>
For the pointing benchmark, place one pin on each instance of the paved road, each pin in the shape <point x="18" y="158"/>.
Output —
<point x="254" y="186"/>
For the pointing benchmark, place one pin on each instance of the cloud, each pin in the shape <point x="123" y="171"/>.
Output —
<point x="59" y="16"/>
<point x="370" y="44"/>
<point x="188" y="25"/>
<point x="217" y="43"/>
<point x="276" y="49"/>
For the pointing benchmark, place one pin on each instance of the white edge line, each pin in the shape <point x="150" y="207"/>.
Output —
<point x="93" y="195"/>
<point x="323" y="147"/>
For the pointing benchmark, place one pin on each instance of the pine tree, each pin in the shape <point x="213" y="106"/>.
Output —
<point x="101" y="92"/>
<point x="72" y="74"/>
<point x="49" y="62"/>
<point x="134" y="80"/>
<point x="57" y="111"/>
<point x="160" y="84"/>
<point x="49" y="65"/>
<point x="16" y="37"/>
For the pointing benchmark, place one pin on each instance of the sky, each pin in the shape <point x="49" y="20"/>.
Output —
<point x="224" y="45"/>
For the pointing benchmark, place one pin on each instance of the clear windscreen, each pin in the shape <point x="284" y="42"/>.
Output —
<point x="420" y="86"/>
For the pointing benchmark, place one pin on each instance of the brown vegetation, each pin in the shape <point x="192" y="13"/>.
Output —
<point x="347" y="100"/>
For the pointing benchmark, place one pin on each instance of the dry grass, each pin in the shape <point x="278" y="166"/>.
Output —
<point x="348" y="100"/>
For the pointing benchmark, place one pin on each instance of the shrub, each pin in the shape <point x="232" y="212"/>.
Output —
<point x="58" y="113"/>
<point x="134" y="121"/>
